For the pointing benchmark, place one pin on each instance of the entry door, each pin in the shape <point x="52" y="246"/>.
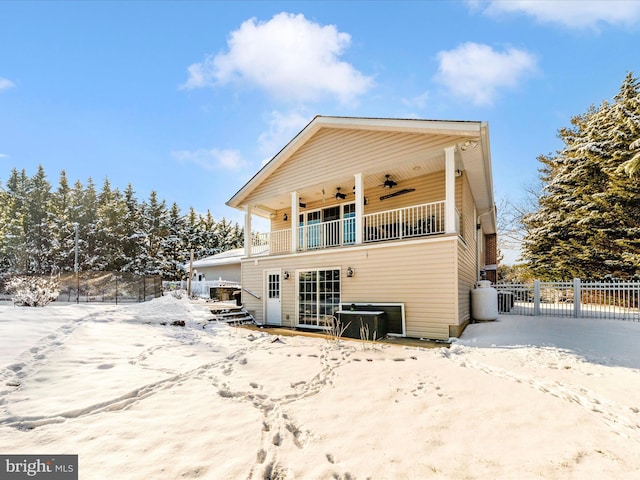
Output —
<point x="272" y="296"/>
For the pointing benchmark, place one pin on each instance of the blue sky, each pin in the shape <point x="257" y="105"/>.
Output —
<point x="191" y="98"/>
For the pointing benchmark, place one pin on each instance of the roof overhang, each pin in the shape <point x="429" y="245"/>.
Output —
<point x="475" y="161"/>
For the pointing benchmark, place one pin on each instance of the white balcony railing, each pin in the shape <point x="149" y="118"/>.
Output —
<point x="334" y="233"/>
<point x="416" y="221"/>
<point x="408" y="222"/>
<point x="271" y="242"/>
<point x="281" y="241"/>
<point x="260" y="243"/>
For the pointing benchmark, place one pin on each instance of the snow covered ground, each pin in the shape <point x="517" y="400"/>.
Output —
<point x="522" y="397"/>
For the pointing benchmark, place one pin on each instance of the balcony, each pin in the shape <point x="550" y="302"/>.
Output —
<point x="398" y="224"/>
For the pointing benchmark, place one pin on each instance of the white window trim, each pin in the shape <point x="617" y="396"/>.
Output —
<point x="297" y="304"/>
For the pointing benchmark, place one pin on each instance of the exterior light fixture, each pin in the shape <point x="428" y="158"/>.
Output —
<point x="285" y="217"/>
<point x="458" y="173"/>
<point x="350" y="272"/>
<point x="286" y="275"/>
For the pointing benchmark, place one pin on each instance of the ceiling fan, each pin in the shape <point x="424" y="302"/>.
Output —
<point x="340" y="195"/>
<point x="388" y="183"/>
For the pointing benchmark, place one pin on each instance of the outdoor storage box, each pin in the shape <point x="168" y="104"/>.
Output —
<point x="376" y="321"/>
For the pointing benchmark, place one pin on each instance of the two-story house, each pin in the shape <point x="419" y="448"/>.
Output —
<point x="387" y="213"/>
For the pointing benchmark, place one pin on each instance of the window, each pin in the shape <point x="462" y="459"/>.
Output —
<point x="349" y="223"/>
<point x="318" y="297"/>
<point x="313" y="230"/>
<point x="273" y="287"/>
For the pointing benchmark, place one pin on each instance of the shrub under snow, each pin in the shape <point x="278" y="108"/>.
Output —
<point x="33" y="291"/>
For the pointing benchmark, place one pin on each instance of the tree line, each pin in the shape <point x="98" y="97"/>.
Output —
<point x="586" y="218"/>
<point x="116" y="231"/>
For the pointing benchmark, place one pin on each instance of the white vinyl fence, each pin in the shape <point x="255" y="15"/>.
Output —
<point x="201" y="288"/>
<point x="579" y="299"/>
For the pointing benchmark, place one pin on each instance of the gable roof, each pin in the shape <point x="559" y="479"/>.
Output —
<point x="228" y="257"/>
<point x="432" y="135"/>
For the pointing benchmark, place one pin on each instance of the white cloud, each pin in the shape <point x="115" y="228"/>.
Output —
<point x="572" y="14"/>
<point x="419" y="101"/>
<point x="5" y="84"/>
<point x="477" y="72"/>
<point x="4" y="155"/>
<point x="282" y="128"/>
<point x="289" y="56"/>
<point x="213" y="159"/>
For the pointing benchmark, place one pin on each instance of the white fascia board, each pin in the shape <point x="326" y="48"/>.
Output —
<point x="294" y="144"/>
<point x="486" y="155"/>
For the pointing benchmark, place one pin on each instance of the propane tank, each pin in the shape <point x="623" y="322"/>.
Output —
<point x="484" y="301"/>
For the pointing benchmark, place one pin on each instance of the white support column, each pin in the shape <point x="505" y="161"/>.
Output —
<point x="294" y="221"/>
<point x="247" y="232"/>
<point x="359" y="208"/>
<point x="450" y="191"/>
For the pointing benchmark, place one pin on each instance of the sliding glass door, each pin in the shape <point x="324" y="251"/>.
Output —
<point x="328" y="227"/>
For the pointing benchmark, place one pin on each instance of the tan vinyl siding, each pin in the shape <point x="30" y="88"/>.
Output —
<point x="330" y="150"/>
<point x="467" y="250"/>
<point x="421" y="274"/>
<point x="428" y="188"/>
<point x="252" y="280"/>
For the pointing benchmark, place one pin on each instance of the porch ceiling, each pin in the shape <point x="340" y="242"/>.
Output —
<point x="399" y="170"/>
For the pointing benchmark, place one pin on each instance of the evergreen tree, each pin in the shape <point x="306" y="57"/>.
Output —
<point x="4" y="222"/>
<point x="37" y="223"/>
<point x="154" y="227"/>
<point x="211" y="240"/>
<point x="77" y="218"/>
<point x="587" y="221"/>
<point x="15" y="251"/>
<point x="133" y="236"/>
<point x="230" y="235"/>
<point x="110" y="229"/>
<point x="88" y="230"/>
<point x="174" y="245"/>
<point x="62" y="229"/>
<point x="115" y="231"/>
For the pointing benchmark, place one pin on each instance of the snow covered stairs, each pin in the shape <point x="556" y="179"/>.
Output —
<point x="232" y="315"/>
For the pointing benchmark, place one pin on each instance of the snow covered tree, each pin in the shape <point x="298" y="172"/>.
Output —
<point x="587" y="224"/>
<point x="5" y="200"/>
<point x="14" y="251"/>
<point x="174" y="247"/>
<point x="110" y="229"/>
<point x="87" y="205"/>
<point x="154" y="228"/>
<point x="62" y="229"/>
<point x="133" y="236"/>
<point x="37" y="223"/>
<point x="116" y="232"/>
<point x="230" y="235"/>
